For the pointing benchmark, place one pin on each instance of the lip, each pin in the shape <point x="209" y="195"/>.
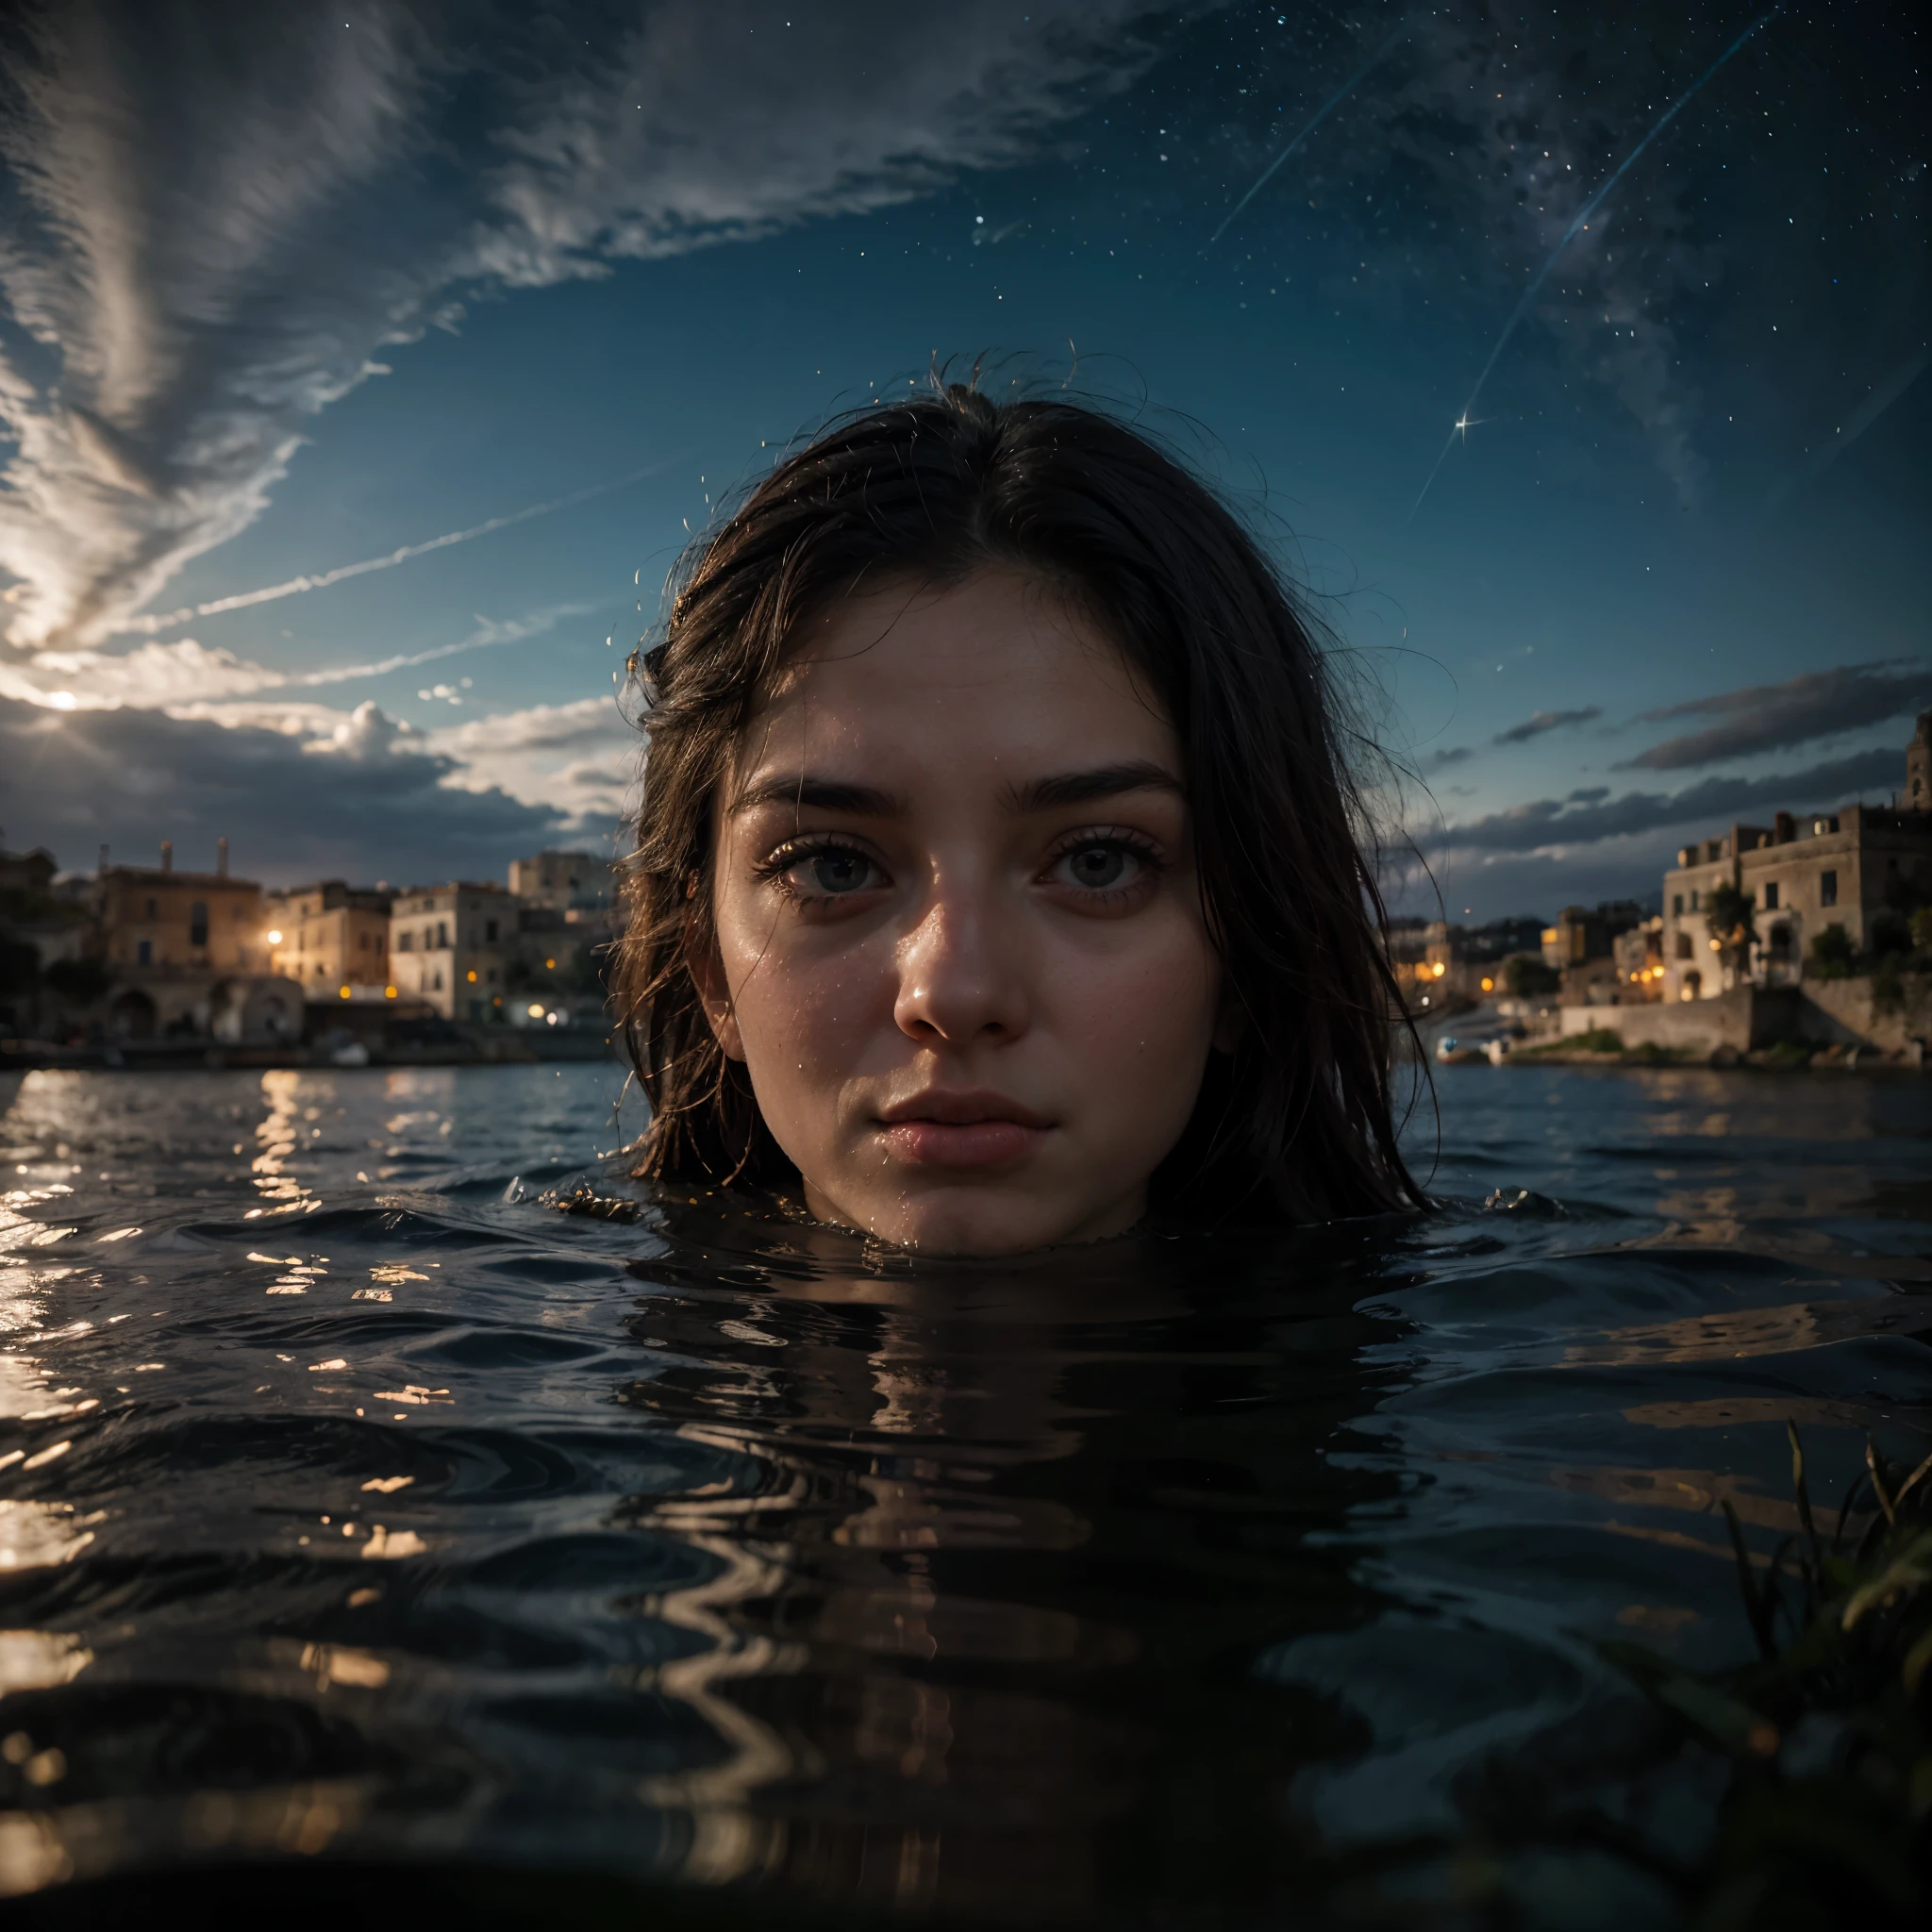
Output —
<point x="961" y="1129"/>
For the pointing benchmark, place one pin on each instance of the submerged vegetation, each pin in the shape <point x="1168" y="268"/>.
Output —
<point x="1825" y="1817"/>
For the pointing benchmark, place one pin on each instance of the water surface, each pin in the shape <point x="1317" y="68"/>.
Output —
<point x="358" y="1507"/>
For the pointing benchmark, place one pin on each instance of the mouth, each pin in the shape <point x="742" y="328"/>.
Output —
<point x="961" y="1130"/>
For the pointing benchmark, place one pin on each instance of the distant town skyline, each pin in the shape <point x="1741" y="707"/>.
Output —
<point x="346" y="446"/>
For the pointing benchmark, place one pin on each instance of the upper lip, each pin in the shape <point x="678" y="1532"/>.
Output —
<point x="960" y="1107"/>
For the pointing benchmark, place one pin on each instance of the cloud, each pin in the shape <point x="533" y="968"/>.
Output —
<point x="1544" y="823"/>
<point x="1539" y="721"/>
<point x="363" y="794"/>
<point x="581" y="758"/>
<point x="1449" y="756"/>
<point x="1773" y="717"/>
<point x="186" y="677"/>
<point x="214" y="233"/>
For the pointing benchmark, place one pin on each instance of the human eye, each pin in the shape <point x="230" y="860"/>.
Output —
<point x="818" y="872"/>
<point x="1105" y="867"/>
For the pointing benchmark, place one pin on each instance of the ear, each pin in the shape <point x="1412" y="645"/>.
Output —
<point x="707" y="972"/>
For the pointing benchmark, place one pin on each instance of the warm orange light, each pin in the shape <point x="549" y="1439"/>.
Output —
<point x="1716" y="946"/>
<point x="551" y="964"/>
<point x="389" y="992"/>
<point x="535" y="1011"/>
<point x="1489" y="986"/>
<point x="1439" y="969"/>
<point x="274" y="939"/>
<point x="471" y="975"/>
<point x="346" y="992"/>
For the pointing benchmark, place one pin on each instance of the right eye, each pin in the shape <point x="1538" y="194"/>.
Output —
<point x="820" y="874"/>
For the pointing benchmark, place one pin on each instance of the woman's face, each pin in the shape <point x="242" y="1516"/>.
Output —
<point x="960" y="946"/>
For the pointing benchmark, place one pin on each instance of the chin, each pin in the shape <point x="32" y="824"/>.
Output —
<point x="986" y="1226"/>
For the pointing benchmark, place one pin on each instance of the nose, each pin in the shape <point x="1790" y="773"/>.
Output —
<point x="961" y="979"/>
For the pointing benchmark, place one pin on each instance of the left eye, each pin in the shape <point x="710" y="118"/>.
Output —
<point x="1099" y="867"/>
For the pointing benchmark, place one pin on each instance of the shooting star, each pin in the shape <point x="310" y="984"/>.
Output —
<point x="1322" y="114"/>
<point x="150" y="624"/>
<point x="1874" y="406"/>
<point x="1578" y="222"/>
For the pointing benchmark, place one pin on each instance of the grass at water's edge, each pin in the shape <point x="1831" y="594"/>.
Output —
<point x="1814" y="1760"/>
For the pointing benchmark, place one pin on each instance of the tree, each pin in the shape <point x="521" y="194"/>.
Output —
<point x="1831" y="953"/>
<point x="1733" y="920"/>
<point x="78" y="982"/>
<point x="1528" y="977"/>
<point x="1922" y="930"/>
<point x="20" y="965"/>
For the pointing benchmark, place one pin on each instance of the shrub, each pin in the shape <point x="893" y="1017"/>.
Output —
<point x="1598" y="1040"/>
<point x="1831" y="953"/>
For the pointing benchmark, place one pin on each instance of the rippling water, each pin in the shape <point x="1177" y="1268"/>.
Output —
<point x="358" y="1507"/>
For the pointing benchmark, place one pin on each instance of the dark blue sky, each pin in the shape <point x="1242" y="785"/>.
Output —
<point x="279" y="302"/>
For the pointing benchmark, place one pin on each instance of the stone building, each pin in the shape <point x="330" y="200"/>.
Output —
<point x="452" y="945"/>
<point x="1582" y="946"/>
<point x="564" y="882"/>
<point x="186" y="954"/>
<point x="1852" y="869"/>
<point x="332" y="938"/>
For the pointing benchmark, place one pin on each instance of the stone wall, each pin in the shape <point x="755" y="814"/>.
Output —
<point x="1826" y="1012"/>
<point x="1856" y="1012"/>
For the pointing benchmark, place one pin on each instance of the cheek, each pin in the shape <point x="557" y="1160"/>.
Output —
<point x="804" y="1001"/>
<point x="1141" y="1021"/>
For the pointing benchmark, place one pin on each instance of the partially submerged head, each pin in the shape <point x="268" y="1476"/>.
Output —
<point x="996" y="869"/>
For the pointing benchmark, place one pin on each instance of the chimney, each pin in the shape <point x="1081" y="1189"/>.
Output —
<point x="221" y="859"/>
<point x="1786" y="828"/>
<point x="167" y="855"/>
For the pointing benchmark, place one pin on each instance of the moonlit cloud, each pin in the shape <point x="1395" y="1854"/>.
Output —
<point x="1590" y="816"/>
<point x="1539" y="721"/>
<point x="1774" y="717"/>
<point x="215" y="234"/>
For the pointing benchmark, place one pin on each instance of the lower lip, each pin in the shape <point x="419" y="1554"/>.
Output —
<point x="963" y="1144"/>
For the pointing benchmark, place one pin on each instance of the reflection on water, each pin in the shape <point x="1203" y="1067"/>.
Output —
<point x="356" y="1504"/>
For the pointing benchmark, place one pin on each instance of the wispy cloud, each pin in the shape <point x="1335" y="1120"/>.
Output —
<point x="1539" y="721"/>
<point x="1774" y="717"/>
<point x="214" y="234"/>
<point x="185" y="672"/>
<point x="148" y="622"/>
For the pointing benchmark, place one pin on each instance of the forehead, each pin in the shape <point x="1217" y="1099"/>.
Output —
<point x="996" y="668"/>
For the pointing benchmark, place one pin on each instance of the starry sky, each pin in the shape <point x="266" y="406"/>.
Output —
<point x="364" y="366"/>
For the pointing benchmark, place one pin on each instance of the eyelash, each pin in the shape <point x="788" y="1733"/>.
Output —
<point x="773" y="870"/>
<point x="1114" y="838"/>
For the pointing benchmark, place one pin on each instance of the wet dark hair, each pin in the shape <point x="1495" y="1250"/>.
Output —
<point x="1299" y="1123"/>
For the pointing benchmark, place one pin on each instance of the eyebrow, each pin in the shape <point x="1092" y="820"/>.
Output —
<point x="1104" y="782"/>
<point x="1039" y="794"/>
<point x="822" y="795"/>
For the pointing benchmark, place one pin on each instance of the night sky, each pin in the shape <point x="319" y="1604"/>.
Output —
<point x="286" y="290"/>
